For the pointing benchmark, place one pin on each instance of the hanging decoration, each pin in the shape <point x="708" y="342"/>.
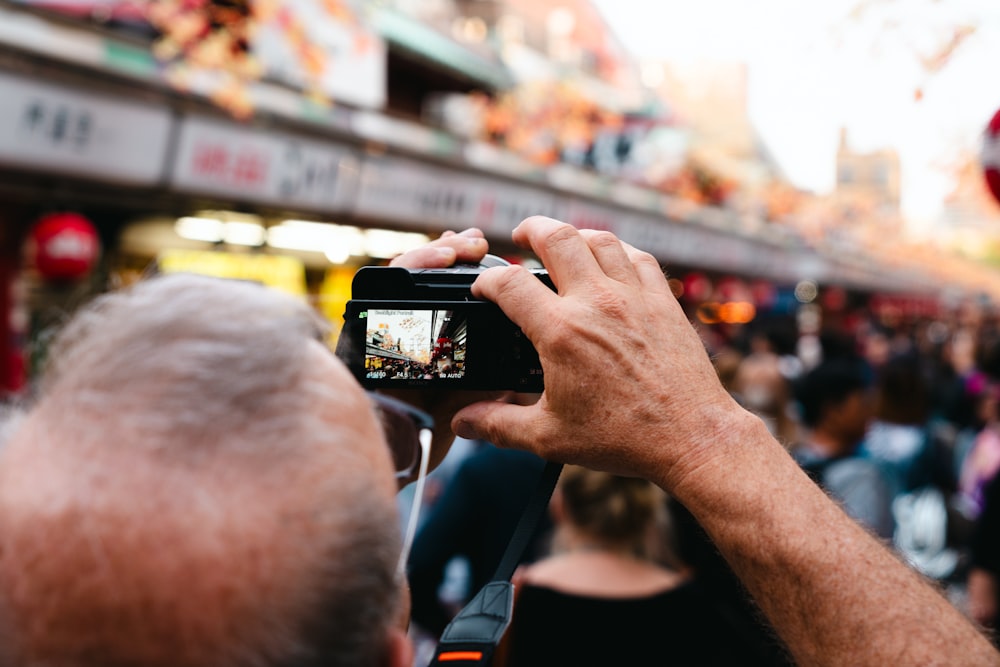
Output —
<point x="991" y="155"/>
<point x="64" y="247"/>
<point x="207" y="46"/>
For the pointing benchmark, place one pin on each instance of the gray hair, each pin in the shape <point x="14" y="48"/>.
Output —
<point x="10" y="416"/>
<point x="189" y="416"/>
<point x="182" y="338"/>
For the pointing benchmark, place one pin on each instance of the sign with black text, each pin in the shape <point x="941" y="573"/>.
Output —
<point x="64" y="130"/>
<point x="274" y="168"/>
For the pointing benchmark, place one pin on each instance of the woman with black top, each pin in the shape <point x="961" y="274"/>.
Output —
<point x="604" y="598"/>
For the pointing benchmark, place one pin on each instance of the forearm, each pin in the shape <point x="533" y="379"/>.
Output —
<point x="833" y="593"/>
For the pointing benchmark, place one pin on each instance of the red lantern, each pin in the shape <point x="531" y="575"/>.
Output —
<point x="834" y="299"/>
<point x="65" y="246"/>
<point x="697" y="287"/>
<point x="991" y="155"/>
<point x="732" y="289"/>
<point x="764" y="294"/>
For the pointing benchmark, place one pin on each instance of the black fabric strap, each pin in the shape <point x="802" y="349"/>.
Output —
<point x="533" y="511"/>
<point x="473" y="635"/>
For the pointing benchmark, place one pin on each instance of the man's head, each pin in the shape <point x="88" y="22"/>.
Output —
<point x="200" y="483"/>
<point x="835" y="401"/>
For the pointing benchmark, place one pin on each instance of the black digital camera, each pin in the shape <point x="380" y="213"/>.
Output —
<point x="423" y="328"/>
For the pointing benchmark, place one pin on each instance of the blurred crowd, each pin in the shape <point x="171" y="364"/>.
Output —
<point x="900" y="424"/>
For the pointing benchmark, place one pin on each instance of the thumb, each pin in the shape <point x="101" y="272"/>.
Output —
<point x="503" y="424"/>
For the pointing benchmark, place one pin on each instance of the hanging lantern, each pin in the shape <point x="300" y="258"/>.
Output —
<point x="834" y="298"/>
<point x="732" y="289"/>
<point x="697" y="287"/>
<point x="991" y="155"/>
<point x="64" y="246"/>
<point x="764" y="294"/>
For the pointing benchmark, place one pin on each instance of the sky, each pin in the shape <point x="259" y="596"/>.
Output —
<point x="814" y="67"/>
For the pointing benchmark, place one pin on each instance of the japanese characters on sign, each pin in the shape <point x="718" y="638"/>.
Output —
<point x="64" y="130"/>
<point x="222" y="159"/>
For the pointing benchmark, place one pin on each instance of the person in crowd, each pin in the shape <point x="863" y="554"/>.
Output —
<point x="202" y="483"/>
<point x="601" y="597"/>
<point x="898" y="437"/>
<point x="473" y="519"/>
<point x="916" y="460"/>
<point x="975" y="359"/>
<point x="835" y="402"/>
<point x="983" y="582"/>
<point x="763" y="388"/>
<point x="720" y="624"/>
<point x="982" y="460"/>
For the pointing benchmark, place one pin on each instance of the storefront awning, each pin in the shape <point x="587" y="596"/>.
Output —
<point x="445" y="53"/>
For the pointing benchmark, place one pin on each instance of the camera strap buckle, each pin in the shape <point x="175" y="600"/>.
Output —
<point x="473" y="635"/>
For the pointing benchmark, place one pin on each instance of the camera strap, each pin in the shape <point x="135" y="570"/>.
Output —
<point x="473" y="635"/>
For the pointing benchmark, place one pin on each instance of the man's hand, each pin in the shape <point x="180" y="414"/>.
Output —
<point x="467" y="247"/>
<point x="623" y="365"/>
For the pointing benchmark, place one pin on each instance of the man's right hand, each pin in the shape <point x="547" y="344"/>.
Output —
<point x="629" y="387"/>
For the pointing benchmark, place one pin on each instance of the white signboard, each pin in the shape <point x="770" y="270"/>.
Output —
<point x="411" y="192"/>
<point x="65" y="130"/>
<point x="268" y="167"/>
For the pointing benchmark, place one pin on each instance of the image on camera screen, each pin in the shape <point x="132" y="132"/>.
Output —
<point x="415" y="344"/>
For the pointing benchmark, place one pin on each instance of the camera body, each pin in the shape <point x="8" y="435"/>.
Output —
<point x="422" y="328"/>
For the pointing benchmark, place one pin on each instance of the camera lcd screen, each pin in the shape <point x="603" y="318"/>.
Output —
<point x="415" y="344"/>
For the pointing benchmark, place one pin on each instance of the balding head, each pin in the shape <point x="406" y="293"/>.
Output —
<point x="200" y="483"/>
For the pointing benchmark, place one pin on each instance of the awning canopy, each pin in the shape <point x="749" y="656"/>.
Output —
<point x="440" y="50"/>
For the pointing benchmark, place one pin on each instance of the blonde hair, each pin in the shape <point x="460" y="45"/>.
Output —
<point x="626" y="513"/>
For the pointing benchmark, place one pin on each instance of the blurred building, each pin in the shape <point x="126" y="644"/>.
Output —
<point x="709" y="103"/>
<point x="359" y="136"/>
<point x="970" y="221"/>
<point x="557" y="39"/>
<point x="868" y="180"/>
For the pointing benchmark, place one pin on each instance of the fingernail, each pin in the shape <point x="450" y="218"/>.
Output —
<point x="446" y="254"/>
<point x="463" y="429"/>
<point x="471" y="232"/>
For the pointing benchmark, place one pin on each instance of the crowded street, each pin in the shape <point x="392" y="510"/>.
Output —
<point x="512" y="333"/>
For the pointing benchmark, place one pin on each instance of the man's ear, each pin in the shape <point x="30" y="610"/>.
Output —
<point x="399" y="649"/>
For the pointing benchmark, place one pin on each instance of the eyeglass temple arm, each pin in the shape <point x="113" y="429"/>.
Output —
<point x="426" y="436"/>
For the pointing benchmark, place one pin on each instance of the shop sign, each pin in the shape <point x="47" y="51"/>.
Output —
<point x="411" y="192"/>
<point x="910" y="305"/>
<point x="279" y="271"/>
<point x="584" y="215"/>
<point x="692" y="245"/>
<point x="501" y="208"/>
<point x="273" y="168"/>
<point x="64" y="130"/>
